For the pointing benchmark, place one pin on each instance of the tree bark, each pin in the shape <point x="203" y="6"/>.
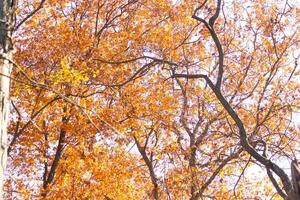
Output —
<point x="295" y="171"/>
<point x="7" y="10"/>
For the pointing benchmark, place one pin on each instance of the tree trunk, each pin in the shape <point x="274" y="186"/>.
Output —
<point x="7" y="10"/>
<point x="295" y="171"/>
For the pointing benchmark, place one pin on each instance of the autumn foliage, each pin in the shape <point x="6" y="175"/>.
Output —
<point x="154" y="99"/>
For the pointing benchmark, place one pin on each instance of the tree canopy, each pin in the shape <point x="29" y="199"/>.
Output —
<point x="154" y="99"/>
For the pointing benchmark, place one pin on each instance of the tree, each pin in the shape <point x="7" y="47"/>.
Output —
<point x="7" y="17"/>
<point x="153" y="100"/>
<point x="288" y="192"/>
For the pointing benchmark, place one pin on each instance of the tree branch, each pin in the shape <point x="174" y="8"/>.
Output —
<point x="210" y="27"/>
<point x="40" y="6"/>
<point x="58" y="154"/>
<point x="17" y="135"/>
<point x="242" y="132"/>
